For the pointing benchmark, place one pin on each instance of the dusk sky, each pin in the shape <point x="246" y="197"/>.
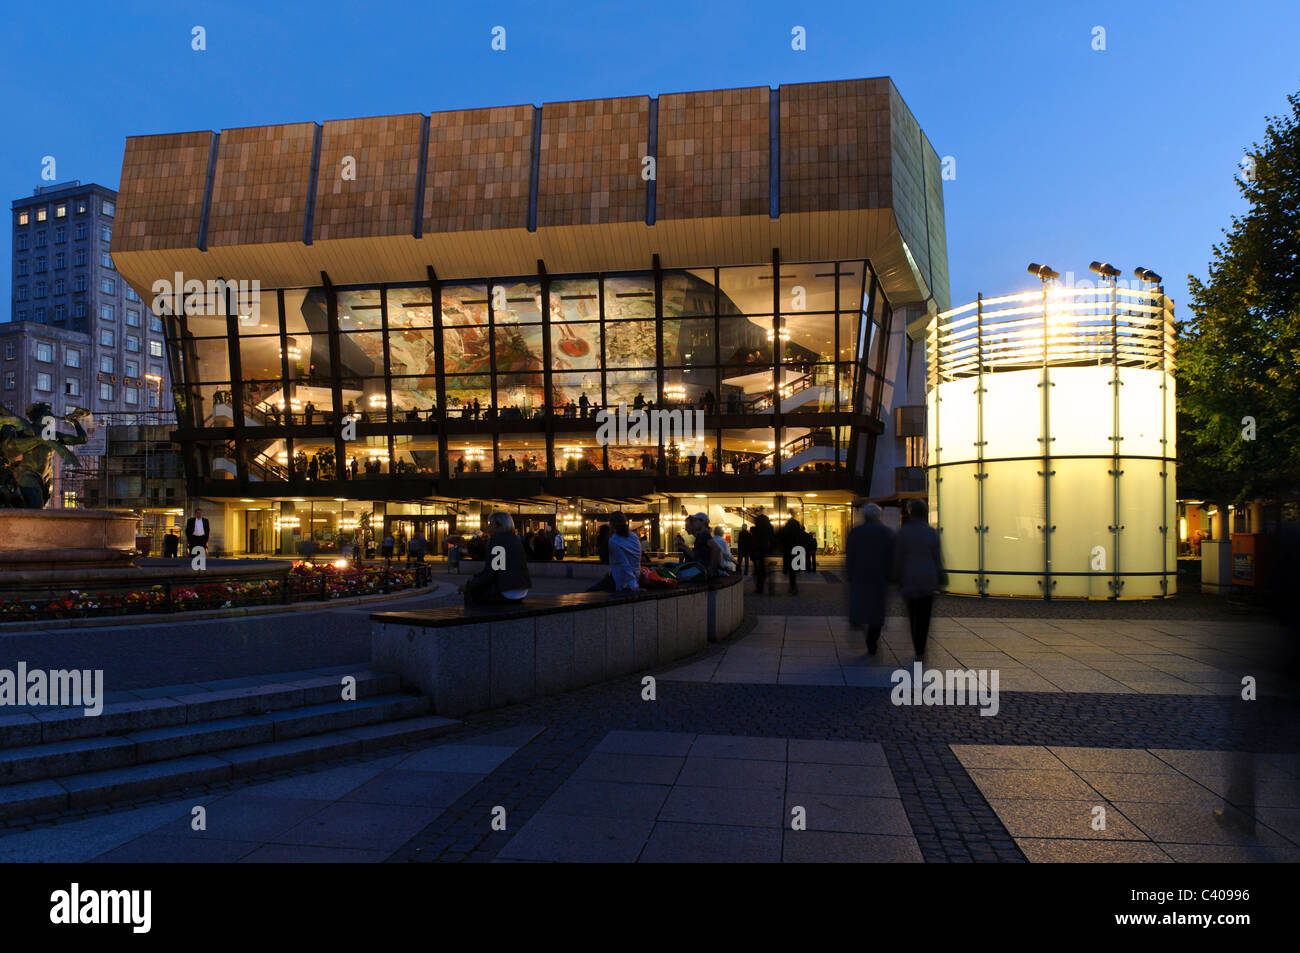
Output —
<point x="1063" y="153"/>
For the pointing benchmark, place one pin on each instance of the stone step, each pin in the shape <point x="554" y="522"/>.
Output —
<point x="50" y="795"/>
<point x="81" y="755"/>
<point x="41" y="726"/>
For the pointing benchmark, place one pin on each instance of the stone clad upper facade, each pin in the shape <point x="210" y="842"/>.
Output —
<point x="569" y="184"/>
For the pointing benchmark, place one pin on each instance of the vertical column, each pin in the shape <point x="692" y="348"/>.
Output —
<point x="659" y="354"/>
<point x="1167" y="504"/>
<point x="981" y="473"/>
<point x="336" y="358"/>
<point x="284" y="383"/>
<point x="236" y="378"/>
<point x="1116" y="583"/>
<point x="549" y="394"/>
<point x="777" y="429"/>
<point x="435" y="305"/>
<point x="1046" y="473"/>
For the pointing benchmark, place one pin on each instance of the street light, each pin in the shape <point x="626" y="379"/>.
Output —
<point x="1105" y="269"/>
<point x="1146" y="274"/>
<point x="1042" y="272"/>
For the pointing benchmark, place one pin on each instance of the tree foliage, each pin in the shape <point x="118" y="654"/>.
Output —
<point x="1240" y="355"/>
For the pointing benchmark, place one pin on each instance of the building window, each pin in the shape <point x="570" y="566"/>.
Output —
<point x="82" y="206"/>
<point x="155" y="349"/>
<point x="69" y="496"/>
<point x="60" y="235"/>
<point x="79" y="283"/>
<point x="106" y="337"/>
<point x="72" y="357"/>
<point x="40" y="263"/>
<point x="106" y="233"/>
<point x="155" y="323"/>
<point x="79" y="257"/>
<point x="133" y="343"/>
<point x="132" y="368"/>
<point x="133" y="317"/>
<point x="60" y="312"/>
<point x="60" y="286"/>
<point x="155" y="390"/>
<point x="22" y="316"/>
<point x="105" y="260"/>
<point x="23" y="217"/>
<point x="20" y="293"/>
<point x="9" y="380"/>
<point x="61" y="211"/>
<point x="131" y="295"/>
<point x="108" y="286"/>
<point x="107" y="312"/>
<point x="45" y="352"/>
<point x="108" y="208"/>
<point x="22" y="243"/>
<point x="21" y="268"/>
<point x="79" y="309"/>
<point x="40" y="289"/>
<point x="40" y="314"/>
<point x="10" y="351"/>
<point x="43" y="382"/>
<point x="105" y="391"/>
<point x="79" y="232"/>
<point x="71" y="387"/>
<point x="40" y="239"/>
<point x="42" y="214"/>
<point x="60" y="261"/>
<point x="132" y="395"/>
<point x="106" y="364"/>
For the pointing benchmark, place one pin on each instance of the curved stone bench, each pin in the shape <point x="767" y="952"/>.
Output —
<point x="556" y="569"/>
<point x="472" y="659"/>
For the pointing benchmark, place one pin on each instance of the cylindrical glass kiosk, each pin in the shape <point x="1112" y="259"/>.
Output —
<point x="1051" y="449"/>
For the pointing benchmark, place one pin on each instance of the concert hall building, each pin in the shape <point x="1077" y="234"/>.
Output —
<point x="431" y="315"/>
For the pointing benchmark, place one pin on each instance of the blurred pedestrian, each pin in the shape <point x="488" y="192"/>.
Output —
<point x="869" y="560"/>
<point x="918" y="567"/>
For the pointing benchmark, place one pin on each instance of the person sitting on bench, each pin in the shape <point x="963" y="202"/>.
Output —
<point x="504" y="579"/>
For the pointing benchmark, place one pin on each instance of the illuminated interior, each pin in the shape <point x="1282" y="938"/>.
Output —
<point x="1052" y="444"/>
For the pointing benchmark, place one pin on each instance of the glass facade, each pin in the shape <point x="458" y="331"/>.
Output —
<point x="758" y="373"/>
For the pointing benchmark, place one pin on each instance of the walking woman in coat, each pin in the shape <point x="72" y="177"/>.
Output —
<point x="918" y="567"/>
<point x="869" y="560"/>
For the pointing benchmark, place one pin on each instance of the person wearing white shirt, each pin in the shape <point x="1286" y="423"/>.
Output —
<point x="197" y="530"/>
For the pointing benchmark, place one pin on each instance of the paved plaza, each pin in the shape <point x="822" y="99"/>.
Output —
<point x="783" y="745"/>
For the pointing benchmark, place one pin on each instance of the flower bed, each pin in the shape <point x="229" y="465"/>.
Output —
<point x="304" y="582"/>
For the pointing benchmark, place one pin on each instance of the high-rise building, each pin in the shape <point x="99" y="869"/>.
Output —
<point x="64" y="279"/>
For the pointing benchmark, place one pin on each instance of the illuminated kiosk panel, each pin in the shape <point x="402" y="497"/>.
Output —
<point x="1051" y="453"/>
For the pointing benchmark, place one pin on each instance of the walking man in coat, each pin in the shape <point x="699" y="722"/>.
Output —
<point x="869" y="559"/>
<point x="918" y="567"/>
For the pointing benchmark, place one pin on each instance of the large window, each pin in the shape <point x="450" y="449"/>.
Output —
<point x="743" y="341"/>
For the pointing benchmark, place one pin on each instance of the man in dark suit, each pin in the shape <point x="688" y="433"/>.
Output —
<point x="869" y="560"/>
<point x="197" y="530"/>
<point x="498" y="583"/>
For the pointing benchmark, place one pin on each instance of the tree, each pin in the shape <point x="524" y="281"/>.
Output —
<point x="1240" y="356"/>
